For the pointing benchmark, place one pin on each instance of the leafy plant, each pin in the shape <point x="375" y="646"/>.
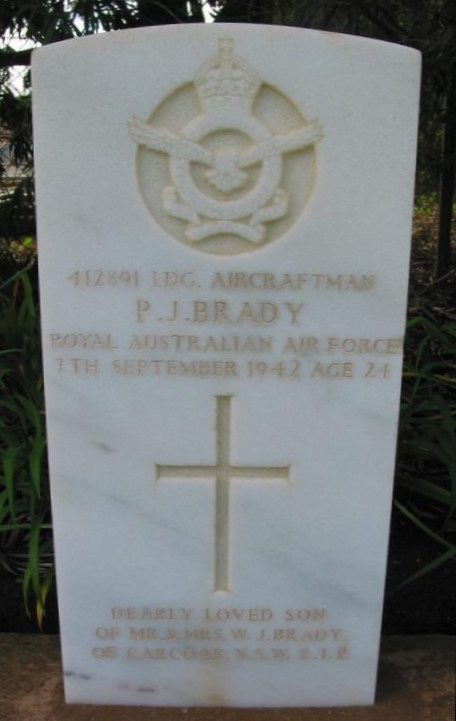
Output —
<point x="25" y="536"/>
<point x="426" y="474"/>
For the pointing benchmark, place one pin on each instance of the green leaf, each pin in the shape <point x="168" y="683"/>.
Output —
<point x="36" y="462"/>
<point x="411" y="516"/>
<point x="34" y="555"/>
<point x="9" y="467"/>
<point x="426" y="488"/>
<point x="449" y="554"/>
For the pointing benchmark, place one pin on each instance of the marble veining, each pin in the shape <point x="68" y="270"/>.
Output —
<point x="223" y="317"/>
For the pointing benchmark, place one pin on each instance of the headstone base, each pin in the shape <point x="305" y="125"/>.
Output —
<point x="416" y="683"/>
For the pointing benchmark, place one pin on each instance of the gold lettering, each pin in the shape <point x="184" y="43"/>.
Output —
<point x="204" y="634"/>
<point x="104" y="652"/>
<point x="333" y="370"/>
<point x="84" y="366"/>
<point x="280" y="654"/>
<point x="105" y="633"/>
<point x="246" y="313"/>
<point x="305" y="614"/>
<point x="90" y="341"/>
<point x="302" y="345"/>
<point x="239" y="634"/>
<point x="142" y="307"/>
<point x="218" y="281"/>
<point x="253" y="615"/>
<point x="150" y="613"/>
<point x="200" y="313"/>
<point x="380" y="346"/>
<point x="220" y="308"/>
<point x="294" y="309"/>
<point x="171" y="279"/>
<point x="174" y="312"/>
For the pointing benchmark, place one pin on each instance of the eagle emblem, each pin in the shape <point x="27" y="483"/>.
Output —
<point x="223" y="186"/>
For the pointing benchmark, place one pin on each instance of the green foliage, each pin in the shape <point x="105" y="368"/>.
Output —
<point x="49" y="21"/>
<point x="426" y="473"/>
<point x="425" y="205"/>
<point x="25" y="538"/>
<point x="16" y="128"/>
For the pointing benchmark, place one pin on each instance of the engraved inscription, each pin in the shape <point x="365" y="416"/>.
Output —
<point x="245" y="634"/>
<point x="223" y="472"/>
<point x="255" y="326"/>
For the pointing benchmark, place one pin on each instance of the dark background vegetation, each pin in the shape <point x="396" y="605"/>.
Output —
<point x="421" y="593"/>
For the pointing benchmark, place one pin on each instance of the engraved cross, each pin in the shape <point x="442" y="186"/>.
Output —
<point x="222" y="472"/>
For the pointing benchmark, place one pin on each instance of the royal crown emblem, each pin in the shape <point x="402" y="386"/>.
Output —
<point x="226" y="163"/>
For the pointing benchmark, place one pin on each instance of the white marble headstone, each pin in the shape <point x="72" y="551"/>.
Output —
<point x="224" y="221"/>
